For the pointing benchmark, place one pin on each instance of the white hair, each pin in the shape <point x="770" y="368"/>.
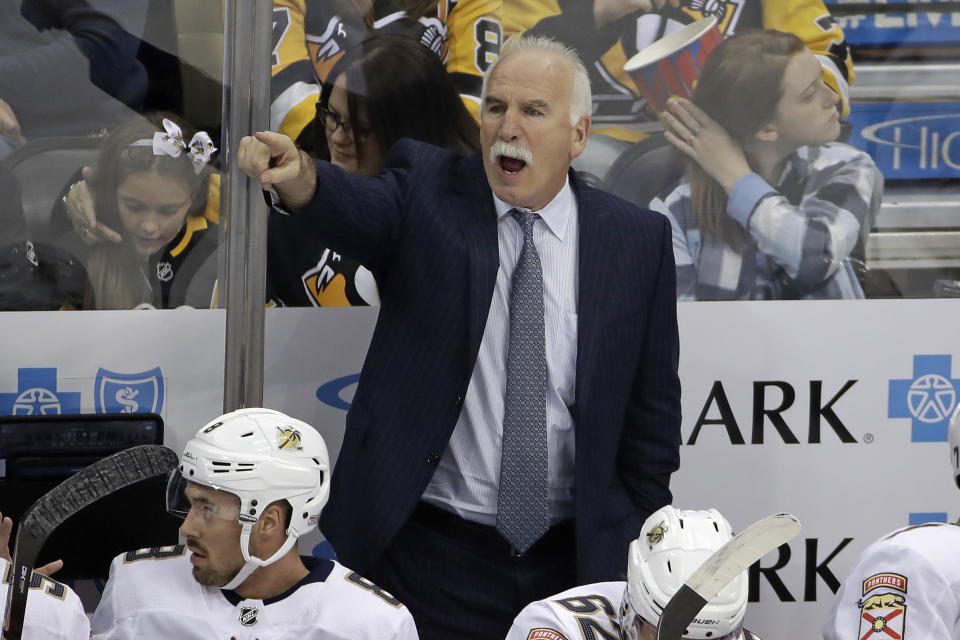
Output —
<point x="581" y="100"/>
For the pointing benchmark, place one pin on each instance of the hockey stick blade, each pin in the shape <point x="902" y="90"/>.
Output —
<point x="70" y="496"/>
<point x="725" y="564"/>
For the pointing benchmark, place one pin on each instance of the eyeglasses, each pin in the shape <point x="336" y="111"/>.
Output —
<point x="332" y="121"/>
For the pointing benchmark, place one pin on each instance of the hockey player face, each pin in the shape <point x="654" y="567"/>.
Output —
<point x="212" y="531"/>
<point x="364" y="158"/>
<point x="152" y="210"/>
<point x="807" y="112"/>
<point x="525" y="131"/>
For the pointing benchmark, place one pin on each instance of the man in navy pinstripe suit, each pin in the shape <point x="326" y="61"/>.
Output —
<point x="414" y="496"/>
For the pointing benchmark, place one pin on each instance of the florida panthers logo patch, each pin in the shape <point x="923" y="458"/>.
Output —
<point x="883" y="615"/>
<point x="248" y="615"/>
<point x="545" y="634"/>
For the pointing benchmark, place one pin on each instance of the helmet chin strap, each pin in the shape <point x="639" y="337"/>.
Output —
<point x="252" y="562"/>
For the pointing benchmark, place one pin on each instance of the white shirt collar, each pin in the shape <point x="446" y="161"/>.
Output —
<point x="556" y="214"/>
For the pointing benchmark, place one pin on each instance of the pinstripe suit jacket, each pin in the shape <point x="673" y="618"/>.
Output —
<point x="426" y="227"/>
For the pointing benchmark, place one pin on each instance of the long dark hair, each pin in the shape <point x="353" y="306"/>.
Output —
<point x="114" y="269"/>
<point x="739" y="87"/>
<point x="406" y="93"/>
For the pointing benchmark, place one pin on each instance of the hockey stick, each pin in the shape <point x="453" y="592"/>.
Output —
<point x="70" y="496"/>
<point x="725" y="564"/>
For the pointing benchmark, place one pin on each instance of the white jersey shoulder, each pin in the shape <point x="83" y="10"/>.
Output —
<point x="589" y="611"/>
<point x="54" y="611"/>
<point x="152" y="593"/>
<point x="905" y="585"/>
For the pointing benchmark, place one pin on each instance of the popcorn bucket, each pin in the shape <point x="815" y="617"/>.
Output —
<point x="670" y="66"/>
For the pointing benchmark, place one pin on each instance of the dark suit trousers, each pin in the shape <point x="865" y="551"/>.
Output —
<point x="460" y="579"/>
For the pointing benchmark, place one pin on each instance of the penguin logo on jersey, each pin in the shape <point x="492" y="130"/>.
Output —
<point x="288" y="438"/>
<point x="655" y="535"/>
<point x="248" y="616"/>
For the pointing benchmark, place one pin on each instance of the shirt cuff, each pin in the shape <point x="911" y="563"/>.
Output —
<point x="746" y="193"/>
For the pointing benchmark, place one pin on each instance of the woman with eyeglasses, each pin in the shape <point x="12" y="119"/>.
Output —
<point x="391" y="87"/>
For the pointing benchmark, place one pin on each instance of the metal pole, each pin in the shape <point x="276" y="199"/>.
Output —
<point x="243" y="210"/>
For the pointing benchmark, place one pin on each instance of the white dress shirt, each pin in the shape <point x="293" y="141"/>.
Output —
<point x="467" y="478"/>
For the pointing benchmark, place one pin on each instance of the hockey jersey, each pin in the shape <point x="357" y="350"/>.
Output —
<point x="151" y="593"/>
<point x="466" y="34"/>
<point x="904" y="586"/>
<point x="589" y="611"/>
<point x="293" y="89"/>
<point x="54" y="612"/>
<point x="617" y="102"/>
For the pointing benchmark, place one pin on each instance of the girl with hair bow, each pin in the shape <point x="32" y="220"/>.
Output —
<point x="146" y="197"/>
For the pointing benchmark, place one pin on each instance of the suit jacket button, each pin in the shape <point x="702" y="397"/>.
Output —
<point x="433" y="459"/>
<point x="459" y="400"/>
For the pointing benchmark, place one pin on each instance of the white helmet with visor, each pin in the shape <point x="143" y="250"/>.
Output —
<point x="261" y="456"/>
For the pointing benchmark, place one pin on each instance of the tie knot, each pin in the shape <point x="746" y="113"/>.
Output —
<point x="525" y="218"/>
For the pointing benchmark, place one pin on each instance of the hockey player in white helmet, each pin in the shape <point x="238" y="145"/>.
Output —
<point x="906" y="584"/>
<point x="249" y="484"/>
<point x="672" y="545"/>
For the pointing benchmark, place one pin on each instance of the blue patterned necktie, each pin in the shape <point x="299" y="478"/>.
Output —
<point x="522" y="502"/>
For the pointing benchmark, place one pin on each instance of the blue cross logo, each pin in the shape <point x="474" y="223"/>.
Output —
<point x="928" y="399"/>
<point x="37" y="395"/>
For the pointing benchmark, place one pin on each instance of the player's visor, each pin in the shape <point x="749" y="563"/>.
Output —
<point x="208" y="503"/>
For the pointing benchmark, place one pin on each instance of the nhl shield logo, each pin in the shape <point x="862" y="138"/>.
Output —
<point x="248" y="615"/>
<point x="128" y="392"/>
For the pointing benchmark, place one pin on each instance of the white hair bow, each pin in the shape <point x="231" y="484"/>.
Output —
<point x="170" y="142"/>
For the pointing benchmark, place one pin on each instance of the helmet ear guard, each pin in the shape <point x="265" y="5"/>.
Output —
<point x="261" y="456"/>
<point x="672" y="545"/>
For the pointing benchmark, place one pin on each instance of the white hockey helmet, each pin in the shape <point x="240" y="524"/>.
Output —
<point x="261" y="456"/>
<point x="673" y="544"/>
<point x="953" y="437"/>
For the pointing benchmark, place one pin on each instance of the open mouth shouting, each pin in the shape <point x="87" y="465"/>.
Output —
<point x="511" y="158"/>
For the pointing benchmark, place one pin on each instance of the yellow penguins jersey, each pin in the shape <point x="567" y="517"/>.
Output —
<point x="293" y="88"/>
<point x="588" y="611"/>
<point x="466" y="34"/>
<point x="151" y="593"/>
<point x="617" y="102"/>
<point x="905" y="586"/>
<point x="54" y="612"/>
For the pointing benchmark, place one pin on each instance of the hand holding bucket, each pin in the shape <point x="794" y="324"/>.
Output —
<point x="671" y="65"/>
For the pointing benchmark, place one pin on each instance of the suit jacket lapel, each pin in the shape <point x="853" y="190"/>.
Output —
<point x="478" y="223"/>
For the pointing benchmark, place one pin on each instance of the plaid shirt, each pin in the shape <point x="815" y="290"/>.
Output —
<point x="808" y="232"/>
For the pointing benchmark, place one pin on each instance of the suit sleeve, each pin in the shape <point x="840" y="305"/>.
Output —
<point x="811" y="22"/>
<point x="362" y="216"/>
<point x="650" y="445"/>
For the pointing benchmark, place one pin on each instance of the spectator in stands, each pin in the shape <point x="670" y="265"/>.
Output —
<point x="388" y="88"/>
<point x="606" y="33"/>
<point x="771" y="207"/>
<point x="465" y="35"/>
<point x="56" y="49"/>
<point x="149" y="187"/>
